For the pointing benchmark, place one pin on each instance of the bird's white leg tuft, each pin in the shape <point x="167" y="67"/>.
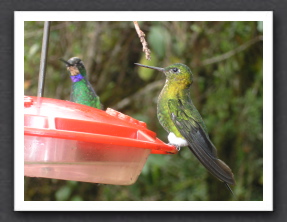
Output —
<point x="176" y="141"/>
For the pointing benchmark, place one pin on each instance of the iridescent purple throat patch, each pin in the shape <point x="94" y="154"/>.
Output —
<point x="77" y="78"/>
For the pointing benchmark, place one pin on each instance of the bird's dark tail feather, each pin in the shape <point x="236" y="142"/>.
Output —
<point x="228" y="187"/>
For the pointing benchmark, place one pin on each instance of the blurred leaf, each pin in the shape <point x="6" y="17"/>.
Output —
<point x="260" y="26"/>
<point x="144" y="73"/>
<point x="77" y="198"/>
<point x="195" y="28"/>
<point x="179" y="48"/>
<point x="159" y="38"/>
<point x="63" y="193"/>
<point x="33" y="50"/>
<point x="72" y="183"/>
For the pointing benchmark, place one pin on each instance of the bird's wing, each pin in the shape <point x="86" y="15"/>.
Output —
<point x="199" y="142"/>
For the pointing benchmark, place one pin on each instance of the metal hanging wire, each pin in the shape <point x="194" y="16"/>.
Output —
<point x="43" y="62"/>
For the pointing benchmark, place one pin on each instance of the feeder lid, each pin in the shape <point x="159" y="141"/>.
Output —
<point x="46" y="117"/>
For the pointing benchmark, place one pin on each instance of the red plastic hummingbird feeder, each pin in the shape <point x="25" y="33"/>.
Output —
<point x="70" y="141"/>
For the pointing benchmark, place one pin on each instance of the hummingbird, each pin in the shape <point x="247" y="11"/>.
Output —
<point x="180" y="118"/>
<point x="82" y="91"/>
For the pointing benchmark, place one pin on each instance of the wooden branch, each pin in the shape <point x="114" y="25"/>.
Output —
<point x="231" y="53"/>
<point x="141" y="35"/>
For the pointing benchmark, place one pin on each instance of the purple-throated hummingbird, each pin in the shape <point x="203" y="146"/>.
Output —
<point x="82" y="91"/>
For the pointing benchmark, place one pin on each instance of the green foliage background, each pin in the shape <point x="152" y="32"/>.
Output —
<point x="226" y="59"/>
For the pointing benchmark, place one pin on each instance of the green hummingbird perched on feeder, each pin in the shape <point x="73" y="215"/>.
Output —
<point x="82" y="91"/>
<point x="180" y="118"/>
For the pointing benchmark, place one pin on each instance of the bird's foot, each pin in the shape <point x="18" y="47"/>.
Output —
<point x="177" y="147"/>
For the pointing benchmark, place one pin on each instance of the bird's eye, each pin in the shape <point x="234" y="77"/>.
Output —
<point x="175" y="69"/>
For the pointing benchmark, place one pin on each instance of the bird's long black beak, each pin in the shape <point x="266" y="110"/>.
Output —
<point x="150" y="67"/>
<point x="67" y="63"/>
